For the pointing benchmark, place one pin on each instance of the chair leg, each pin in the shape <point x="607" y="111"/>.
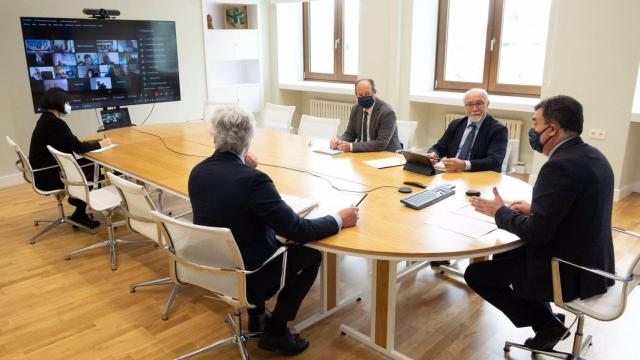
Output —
<point x="53" y="224"/>
<point x="90" y="247"/>
<point x="238" y="338"/>
<point x="209" y="347"/>
<point x="163" y="281"/>
<point x="167" y="305"/>
<point x="111" y="243"/>
<point x="62" y="218"/>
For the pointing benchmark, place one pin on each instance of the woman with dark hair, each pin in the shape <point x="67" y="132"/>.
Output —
<point x="52" y="130"/>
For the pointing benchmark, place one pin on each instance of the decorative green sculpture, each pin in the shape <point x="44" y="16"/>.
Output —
<point x="236" y="17"/>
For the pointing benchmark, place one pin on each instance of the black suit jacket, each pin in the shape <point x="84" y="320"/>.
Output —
<point x="488" y="149"/>
<point x="224" y="192"/>
<point x="382" y="130"/>
<point x="51" y="130"/>
<point x="570" y="219"/>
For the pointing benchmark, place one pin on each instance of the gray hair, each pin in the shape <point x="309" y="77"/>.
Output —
<point x="477" y="90"/>
<point x="232" y="128"/>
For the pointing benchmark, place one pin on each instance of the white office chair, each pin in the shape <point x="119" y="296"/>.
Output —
<point x="138" y="206"/>
<point x="507" y="162"/>
<point x="24" y="166"/>
<point x="406" y="132"/>
<point x="277" y="117"/>
<point x="209" y="257"/>
<point x="318" y="127"/>
<point x="104" y="200"/>
<point x="606" y="307"/>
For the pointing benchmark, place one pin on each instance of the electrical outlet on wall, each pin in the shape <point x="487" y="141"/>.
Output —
<point x="599" y="134"/>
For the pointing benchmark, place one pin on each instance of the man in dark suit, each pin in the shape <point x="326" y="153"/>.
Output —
<point x="477" y="142"/>
<point x="372" y="123"/>
<point x="226" y="190"/>
<point x="569" y="217"/>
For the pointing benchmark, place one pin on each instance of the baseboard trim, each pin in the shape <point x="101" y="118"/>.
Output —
<point x="624" y="191"/>
<point x="11" y="180"/>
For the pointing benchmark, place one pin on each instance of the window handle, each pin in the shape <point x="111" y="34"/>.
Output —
<point x="336" y="43"/>
<point x="493" y="41"/>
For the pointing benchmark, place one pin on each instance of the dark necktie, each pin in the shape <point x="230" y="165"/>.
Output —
<point x="364" y="126"/>
<point x="465" y="151"/>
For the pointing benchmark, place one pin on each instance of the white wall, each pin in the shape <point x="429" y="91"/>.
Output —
<point x="18" y="118"/>
<point x="594" y="57"/>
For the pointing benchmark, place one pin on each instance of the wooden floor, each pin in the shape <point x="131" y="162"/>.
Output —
<point x="79" y="309"/>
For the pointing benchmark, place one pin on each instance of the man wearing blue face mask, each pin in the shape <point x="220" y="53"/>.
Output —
<point x="372" y="123"/>
<point x="569" y="217"/>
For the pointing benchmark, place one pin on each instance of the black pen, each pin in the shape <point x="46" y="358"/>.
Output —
<point x="365" y="195"/>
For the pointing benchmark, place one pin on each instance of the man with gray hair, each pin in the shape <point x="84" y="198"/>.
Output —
<point x="476" y="142"/>
<point x="226" y="190"/>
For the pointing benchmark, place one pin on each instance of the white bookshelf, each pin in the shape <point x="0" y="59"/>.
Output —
<point x="232" y="56"/>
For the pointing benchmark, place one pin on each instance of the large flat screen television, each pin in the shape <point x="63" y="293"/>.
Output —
<point x="102" y="63"/>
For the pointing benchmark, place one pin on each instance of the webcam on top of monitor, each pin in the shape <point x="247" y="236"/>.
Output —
<point x="101" y="13"/>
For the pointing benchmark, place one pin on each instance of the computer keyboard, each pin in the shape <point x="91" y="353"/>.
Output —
<point x="424" y="198"/>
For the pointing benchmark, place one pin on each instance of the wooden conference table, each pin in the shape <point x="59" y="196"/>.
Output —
<point x="387" y="232"/>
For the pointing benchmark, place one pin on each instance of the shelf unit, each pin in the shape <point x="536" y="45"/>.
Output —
<point x="232" y="56"/>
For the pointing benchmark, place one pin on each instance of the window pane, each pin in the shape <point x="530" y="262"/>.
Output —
<point x="524" y="38"/>
<point x="466" y="38"/>
<point x="351" y="14"/>
<point x="321" y="15"/>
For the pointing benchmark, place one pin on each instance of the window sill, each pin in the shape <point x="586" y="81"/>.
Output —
<point x="319" y="86"/>
<point x="498" y="102"/>
<point x="635" y="117"/>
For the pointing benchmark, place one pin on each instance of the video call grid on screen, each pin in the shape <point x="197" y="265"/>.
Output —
<point x="102" y="63"/>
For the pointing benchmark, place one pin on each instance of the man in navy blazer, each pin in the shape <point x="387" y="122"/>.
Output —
<point x="226" y="190"/>
<point x="476" y="142"/>
<point x="569" y="217"/>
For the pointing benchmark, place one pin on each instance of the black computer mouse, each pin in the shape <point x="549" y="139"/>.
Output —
<point x="405" y="189"/>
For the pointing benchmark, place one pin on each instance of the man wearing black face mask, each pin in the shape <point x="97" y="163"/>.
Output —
<point x="569" y="217"/>
<point x="372" y="123"/>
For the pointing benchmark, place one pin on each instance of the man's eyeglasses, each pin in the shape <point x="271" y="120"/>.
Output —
<point x="478" y="104"/>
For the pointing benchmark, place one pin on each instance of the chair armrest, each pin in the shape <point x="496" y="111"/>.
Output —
<point x="283" y="271"/>
<point x="555" y="277"/>
<point x="41" y="169"/>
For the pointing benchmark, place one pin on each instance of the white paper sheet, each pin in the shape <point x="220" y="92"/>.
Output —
<point x="322" y="146"/>
<point x="467" y="210"/>
<point x="385" y="162"/>
<point x="298" y="204"/>
<point x="463" y="225"/>
<point x="104" y="148"/>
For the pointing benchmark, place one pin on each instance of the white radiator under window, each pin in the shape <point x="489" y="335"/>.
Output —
<point x="513" y="126"/>
<point x="332" y="109"/>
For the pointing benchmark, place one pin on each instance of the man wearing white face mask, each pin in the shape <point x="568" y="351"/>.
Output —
<point x="372" y="123"/>
<point x="476" y="142"/>
<point x="52" y="130"/>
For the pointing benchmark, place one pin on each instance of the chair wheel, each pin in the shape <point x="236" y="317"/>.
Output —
<point x="32" y="242"/>
<point x="165" y="318"/>
<point x="343" y="333"/>
<point x="132" y="290"/>
<point x="359" y="299"/>
<point x="506" y="349"/>
<point x="35" y="223"/>
<point x="67" y="257"/>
